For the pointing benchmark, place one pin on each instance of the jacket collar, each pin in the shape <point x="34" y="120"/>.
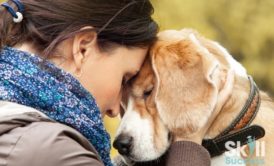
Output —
<point x="14" y="115"/>
<point x="9" y="108"/>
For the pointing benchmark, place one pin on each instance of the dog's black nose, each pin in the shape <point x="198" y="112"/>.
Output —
<point x="123" y="144"/>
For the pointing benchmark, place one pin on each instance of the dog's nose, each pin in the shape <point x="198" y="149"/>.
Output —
<point x="123" y="144"/>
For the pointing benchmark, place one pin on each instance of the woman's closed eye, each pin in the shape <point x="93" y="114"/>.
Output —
<point x="128" y="78"/>
<point x="124" y="81"/>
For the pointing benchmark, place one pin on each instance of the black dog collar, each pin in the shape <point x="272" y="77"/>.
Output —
<point x="239" y="129"/>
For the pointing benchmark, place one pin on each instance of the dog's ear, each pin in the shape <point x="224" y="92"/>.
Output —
<point x="188" y="81"/>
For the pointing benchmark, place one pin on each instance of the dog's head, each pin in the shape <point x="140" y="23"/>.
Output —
<point x="174" y="93"/>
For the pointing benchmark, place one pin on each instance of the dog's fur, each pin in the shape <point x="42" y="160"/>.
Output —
<point x="176" y="91"/>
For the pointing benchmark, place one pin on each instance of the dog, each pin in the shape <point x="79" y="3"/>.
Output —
<point x="174" y="92"/>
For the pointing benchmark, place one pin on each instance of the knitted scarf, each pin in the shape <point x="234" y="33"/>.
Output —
<point x="28" y="80"/>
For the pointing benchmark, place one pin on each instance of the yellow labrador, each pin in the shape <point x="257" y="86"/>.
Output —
<point x="175" y="93"/>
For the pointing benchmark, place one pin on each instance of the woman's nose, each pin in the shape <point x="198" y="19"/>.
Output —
<point x="115" y="110"/>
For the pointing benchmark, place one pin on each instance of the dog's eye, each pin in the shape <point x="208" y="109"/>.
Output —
<point x="147" y="92"/>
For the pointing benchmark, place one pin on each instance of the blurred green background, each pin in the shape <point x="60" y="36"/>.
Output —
<point x="244" y="27"/>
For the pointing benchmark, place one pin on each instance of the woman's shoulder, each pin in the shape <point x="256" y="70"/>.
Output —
<point x="30" y="138"/>
<point x="55" y="144"/>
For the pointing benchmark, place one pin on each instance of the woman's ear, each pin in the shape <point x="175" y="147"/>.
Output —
<point x="84" y="44"/>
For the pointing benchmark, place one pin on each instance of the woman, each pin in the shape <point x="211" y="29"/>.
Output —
<point x="62" y="67"/>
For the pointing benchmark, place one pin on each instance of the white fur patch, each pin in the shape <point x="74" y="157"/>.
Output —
<point x="236" y="66"/>
<point x="142" y="132"/>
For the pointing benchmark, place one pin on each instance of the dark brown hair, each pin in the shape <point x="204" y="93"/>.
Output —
<point x="47" y="23"/>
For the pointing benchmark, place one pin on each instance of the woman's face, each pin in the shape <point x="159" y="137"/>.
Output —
<point x="103" y="75"/>
<point x="102" y="72"/>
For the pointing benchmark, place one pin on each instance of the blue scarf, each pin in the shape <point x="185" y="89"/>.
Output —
<point x="28" y="80"/>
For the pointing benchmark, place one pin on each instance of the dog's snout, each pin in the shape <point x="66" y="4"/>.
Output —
<point x="123" y="144"/>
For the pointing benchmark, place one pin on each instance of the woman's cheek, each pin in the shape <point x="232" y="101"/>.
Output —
<point x="111" y="96"/>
